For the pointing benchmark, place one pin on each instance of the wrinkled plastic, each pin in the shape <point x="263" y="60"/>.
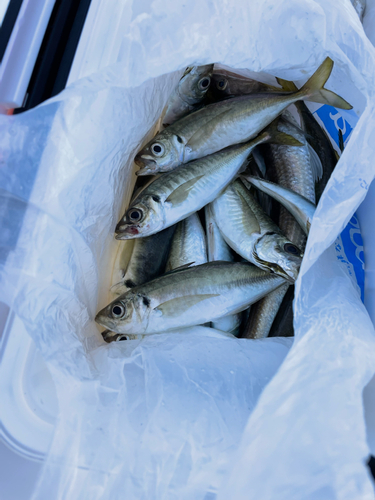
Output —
<point x="185" y="415"/>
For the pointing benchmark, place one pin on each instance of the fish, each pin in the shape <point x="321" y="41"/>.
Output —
<point x="253" y="235"/>
<point x="187" y="297"/>
<point x="226" y="84"/>
<point x="188" y="244"/>
<point x="148" y="260"/>
<point x="263" y="312"/>
<point x="217" y="249"/>
<point x="228" y="122"/>
<point x="300" y="207"/>
<point x="297" y="170"/>
<point x="190" y="91"/>
<point x="317" y="138"/>
<point x="177" y="194"/>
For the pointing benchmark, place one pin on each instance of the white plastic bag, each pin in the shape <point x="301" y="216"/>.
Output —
<point x="163" y="418"/>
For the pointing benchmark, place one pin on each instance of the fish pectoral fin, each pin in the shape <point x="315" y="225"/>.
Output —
<point x="175" y="307"/>
<point x="316" y="164"/>
<point x="180" y="194"/>
<point x="198" y="139"/>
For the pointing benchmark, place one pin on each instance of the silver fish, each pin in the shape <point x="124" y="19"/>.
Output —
<point x="190" y="91"/>
<point x="187" y="297"/>
<point x="317" y="138"/>
<point x="253" y="235"/>
<point x="185" y="190"/>
<point x="263" y="313"/>
<point x="217" y="249"/>
<point x="301" y="208"/>
<point x="188" y="244"/>
<point x="226" y="84"/>
<point x="297" y="170"/>
<point x="148" y="260"/>
<point x="228" y="122"/>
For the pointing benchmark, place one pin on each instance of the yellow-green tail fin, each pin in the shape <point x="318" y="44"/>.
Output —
<point x="314" y="90"/>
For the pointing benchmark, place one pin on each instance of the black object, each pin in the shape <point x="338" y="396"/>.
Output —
<point x="371" y="465"/>
<point x="282" y="325"/>
<point x="57" y="51"/>
<point x="8" y="23"/>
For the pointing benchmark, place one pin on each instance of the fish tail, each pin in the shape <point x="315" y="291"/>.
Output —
<point x="314" y="90"/>
<point x="273" y="135"/>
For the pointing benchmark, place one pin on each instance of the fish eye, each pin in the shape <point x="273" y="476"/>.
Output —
<point x="222" y="84"/>
<point x="157" y="149"/>
<point x="292" y="249"/>
<point x="118" y="310"/>
<point x="135" y="214"/>
<point x="204" y="83"/>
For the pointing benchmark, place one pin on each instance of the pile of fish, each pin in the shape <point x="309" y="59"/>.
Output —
<point x="220" y="227"/>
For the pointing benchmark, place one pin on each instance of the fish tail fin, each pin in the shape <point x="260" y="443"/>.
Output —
<point x="314" y="90"/>
<point x="273" y="135"/>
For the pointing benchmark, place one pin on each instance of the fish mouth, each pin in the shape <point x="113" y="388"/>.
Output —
<point x="125" y="236"/>
<point x="103" y="320"/>
<point x="145" y="162"/>
<point x="109" y="336"/>
<point x="126" y="231"/>
<point x="145" y="171"/>
<point x="120" y="227"/>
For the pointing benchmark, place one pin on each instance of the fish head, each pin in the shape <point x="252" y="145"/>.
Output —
<point x="109" y="336"/>
<point x="274" y="252"/>
<point x="163" y="153"/>
<point x="144" y="217"/>
<point x="219" y="88"/>
<point x="195" y="82"/>
<point x="128" y="314"/>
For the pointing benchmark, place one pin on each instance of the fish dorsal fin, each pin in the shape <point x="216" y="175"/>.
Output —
<point x="175" y="307"/>
<point x="287" y="85"/>
<point x="252" y="225"/>
<point x="316" y="164"/>
<point x="180" y="194"/>
<point x="264" y="222"/>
